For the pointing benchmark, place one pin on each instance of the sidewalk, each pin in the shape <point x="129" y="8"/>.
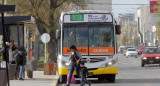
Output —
<point x="39" y="79"/>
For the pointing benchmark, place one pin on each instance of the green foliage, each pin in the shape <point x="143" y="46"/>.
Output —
<point x="128" y="36"/>
<point x="46" y="12"/>
<point x="40" y="63"/>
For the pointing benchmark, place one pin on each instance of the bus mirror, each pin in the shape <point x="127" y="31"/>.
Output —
<point x="118" y="29"/>
<point x="58" y="33"/>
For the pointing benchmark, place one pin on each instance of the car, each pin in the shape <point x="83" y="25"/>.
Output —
<point x="150" y="55"/>
<point x="125" y="49"/>
<point x="120" y="49"/>
<point x="131" y="52"/>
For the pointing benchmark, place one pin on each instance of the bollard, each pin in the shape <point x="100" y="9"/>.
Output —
<point x="49" y="68"/>
<point x="12" y="70"/>
<point x="3" y="77"/>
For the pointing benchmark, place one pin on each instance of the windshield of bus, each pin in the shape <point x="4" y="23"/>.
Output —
<point x="89" y="39"/>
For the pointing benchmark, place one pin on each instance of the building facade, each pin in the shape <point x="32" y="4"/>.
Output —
<point x="126" y="19"/>
<point x="105" y="5"/>
<point x="146" y="21"/>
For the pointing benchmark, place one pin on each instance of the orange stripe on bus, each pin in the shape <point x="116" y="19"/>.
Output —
<point x="92" y="50"/>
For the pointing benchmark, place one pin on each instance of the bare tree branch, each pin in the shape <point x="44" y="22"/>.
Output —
<point x="40" y="3"/>
<point x="59" y="4"/>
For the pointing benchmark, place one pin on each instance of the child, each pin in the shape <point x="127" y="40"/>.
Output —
<point x="84" y="74"/>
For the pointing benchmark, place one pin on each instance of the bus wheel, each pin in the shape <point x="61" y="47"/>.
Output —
<point x="112" y="78"/>
<point x="100" y="78"/>
<point x="62" y="78"/>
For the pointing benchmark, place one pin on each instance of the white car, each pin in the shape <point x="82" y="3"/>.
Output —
<point x="131" y="52"/>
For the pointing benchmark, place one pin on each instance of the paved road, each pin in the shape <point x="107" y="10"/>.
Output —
<point x="131" y="74"/>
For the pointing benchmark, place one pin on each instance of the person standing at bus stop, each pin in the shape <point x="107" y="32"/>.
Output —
<point x="75" y="58"/>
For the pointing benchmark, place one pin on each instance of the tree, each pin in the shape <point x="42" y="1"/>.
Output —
<point x="46" y="14"/>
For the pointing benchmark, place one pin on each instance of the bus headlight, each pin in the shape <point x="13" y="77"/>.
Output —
<point x="110" y="63"/>
<point x="65" y="63"/>
<point x="157" y="57"/>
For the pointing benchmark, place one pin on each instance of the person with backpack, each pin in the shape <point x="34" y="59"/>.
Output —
<point x="21" y="61"/>
<point x="74" y="62"/>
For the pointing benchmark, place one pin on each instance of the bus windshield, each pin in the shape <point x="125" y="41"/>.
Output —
<point x="89" y="36"/>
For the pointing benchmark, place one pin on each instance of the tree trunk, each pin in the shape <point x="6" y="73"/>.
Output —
<point x="36" y="45"/>
<point x="52" y="46"/>
<point x="40" y="26"/>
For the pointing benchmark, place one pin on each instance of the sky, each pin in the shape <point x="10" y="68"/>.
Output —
<point x="127" y="8"/>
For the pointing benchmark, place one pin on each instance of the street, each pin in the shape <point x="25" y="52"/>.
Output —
<point x="131" y="73"/>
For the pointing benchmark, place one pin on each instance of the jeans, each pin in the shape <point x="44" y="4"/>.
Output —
<point x="71" y="70"/>
<point x="84" y="80"/>
<point x="21" y="67"/>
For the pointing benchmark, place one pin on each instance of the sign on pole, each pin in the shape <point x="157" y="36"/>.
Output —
<point x="45" y="39"/>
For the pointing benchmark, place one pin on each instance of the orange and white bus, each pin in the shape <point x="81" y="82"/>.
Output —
<point x="94" y="35"/>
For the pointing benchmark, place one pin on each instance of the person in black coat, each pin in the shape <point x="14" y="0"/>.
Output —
<point x="21" y="61"/>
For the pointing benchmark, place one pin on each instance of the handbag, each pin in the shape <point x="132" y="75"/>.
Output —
<point x="73" y="81"/>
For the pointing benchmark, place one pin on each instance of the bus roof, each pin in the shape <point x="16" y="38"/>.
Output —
<point x="86" y="11"/>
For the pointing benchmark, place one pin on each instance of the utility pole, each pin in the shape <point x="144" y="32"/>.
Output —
<point x="3" y="9"/>
<point x="141" y="35"/>
<point x="128" y="32"/>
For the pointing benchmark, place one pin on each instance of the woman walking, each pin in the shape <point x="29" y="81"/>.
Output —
<point x="75" y="58"/>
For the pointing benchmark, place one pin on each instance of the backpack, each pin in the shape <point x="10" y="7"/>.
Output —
<point x="19" y="59"/>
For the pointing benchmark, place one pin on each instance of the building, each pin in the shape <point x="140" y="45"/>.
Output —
<point x="146" y="21"/>
<point x="126" y="19"/>
<point x="105" y="5"/>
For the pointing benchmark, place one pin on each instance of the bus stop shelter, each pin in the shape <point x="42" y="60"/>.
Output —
<point x="15" y="28"/>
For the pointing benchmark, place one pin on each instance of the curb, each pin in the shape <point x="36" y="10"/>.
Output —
<point x="55" y="81"/>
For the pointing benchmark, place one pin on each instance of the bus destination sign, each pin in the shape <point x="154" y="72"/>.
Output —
<point x="77" y="17"/>
<point x="97" y="18"/>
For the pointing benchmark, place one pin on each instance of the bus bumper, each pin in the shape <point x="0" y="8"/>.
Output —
<point x="95" y="71"/>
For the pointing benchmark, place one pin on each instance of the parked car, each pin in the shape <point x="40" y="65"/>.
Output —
<point x="125" y="49"/>
<point x="120" y="49"/>
<point x="150" y="55"/>
<point x="131" y="52"/>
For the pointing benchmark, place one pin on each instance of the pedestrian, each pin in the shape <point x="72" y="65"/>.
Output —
<point x="21" y="61"/>
<point x="12" y="52"/>
<point x="74" y="61"/>
<point x="84" y="74"/>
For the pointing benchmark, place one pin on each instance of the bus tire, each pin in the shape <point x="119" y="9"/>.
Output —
<point x="112" y="78"/>
<point x="62" y="78"/>
<point x="100" y="78"/>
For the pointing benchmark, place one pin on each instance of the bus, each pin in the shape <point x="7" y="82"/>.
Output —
<point x="93" y="32"/>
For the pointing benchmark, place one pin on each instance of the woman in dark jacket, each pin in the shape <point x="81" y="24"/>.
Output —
<point x="75" y="58"/>
<point x="21" y="60"/>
